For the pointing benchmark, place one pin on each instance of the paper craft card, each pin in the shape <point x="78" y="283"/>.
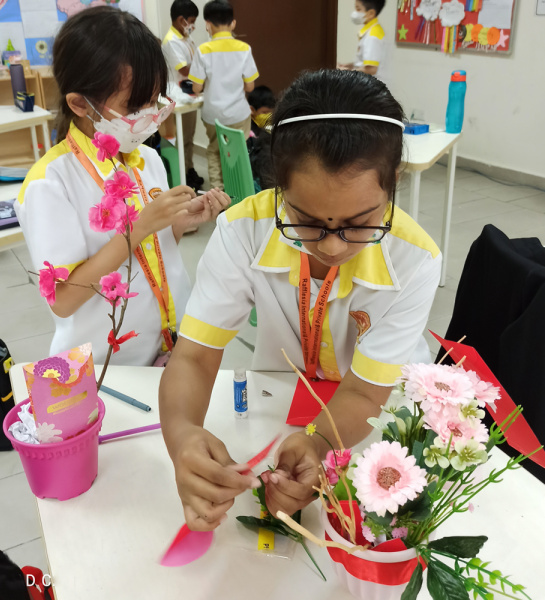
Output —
<point x="304" y="408"/>
<point x="63" y="394"/>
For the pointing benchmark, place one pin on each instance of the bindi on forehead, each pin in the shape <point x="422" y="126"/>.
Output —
<point x="330" y="219"/>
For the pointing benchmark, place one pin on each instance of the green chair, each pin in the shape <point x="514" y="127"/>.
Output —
<point x="238" y="179"/>
<point x="169" y="156"/>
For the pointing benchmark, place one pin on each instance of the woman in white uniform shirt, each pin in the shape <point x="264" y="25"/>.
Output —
<point x="328" y="237"/>
<point x="106" y="61"/>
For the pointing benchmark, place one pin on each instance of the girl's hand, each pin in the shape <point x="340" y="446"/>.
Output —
<point x="289" y="487"/>
<point x="208" y="479"/>
<point x="163" y="211"/>
<point x="201" y="210"/>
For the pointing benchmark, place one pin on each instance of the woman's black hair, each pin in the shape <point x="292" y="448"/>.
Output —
<point x="183" y="8"/>
<point x="218" y="12"/>
<point x="338" y="144"/>
<point x="91" y="51"/>
<point x="261" y="96"/>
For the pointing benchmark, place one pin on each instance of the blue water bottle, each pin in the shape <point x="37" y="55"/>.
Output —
<point x="456" y="97"/>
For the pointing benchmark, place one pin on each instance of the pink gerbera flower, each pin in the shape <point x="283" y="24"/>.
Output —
<point x="107" y="214"/>
<point x="485" y="392"/>
<point x="448" y="422"/>
<point x="114" y="289"/>
<point x="121" y="186"/>
<point x="385" y="478"/>
<point x="106" y="144"/>
<point x="435" y="386"/>
<point x="48" y="281"/>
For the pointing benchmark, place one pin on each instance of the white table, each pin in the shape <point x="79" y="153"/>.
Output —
<point x="107" y="542"/>
<point x="12" y="118"/>
<point x="13" y="236"/>
<point x="420" y="153"/>
<point x="179" y="110"/>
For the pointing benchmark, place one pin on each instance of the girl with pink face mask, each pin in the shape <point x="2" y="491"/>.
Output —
<point x="110" y="71"/>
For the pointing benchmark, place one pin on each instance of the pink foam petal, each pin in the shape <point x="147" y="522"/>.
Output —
<point x="186" y="547"/>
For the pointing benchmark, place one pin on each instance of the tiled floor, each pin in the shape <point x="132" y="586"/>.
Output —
<point x="27" y="327"/>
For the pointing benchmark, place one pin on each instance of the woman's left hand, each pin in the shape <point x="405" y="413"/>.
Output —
<point x="201" y="210"/>
<point x="290" y="486"/>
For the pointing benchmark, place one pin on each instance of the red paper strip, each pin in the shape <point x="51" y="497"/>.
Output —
<point x="519" y="435"/>
<point x="304" y="408"/>
<point x="396" y="573"/>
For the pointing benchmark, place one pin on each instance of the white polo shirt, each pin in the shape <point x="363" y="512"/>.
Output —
<point x="53" y="210"/>
<point x="370" y="46"/>
<point x="377" y="308"/>
<point x="178" y="51"/>
<point x="225" y="64"/>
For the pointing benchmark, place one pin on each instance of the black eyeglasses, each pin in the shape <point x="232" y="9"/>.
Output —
<point x="364" y="234"/>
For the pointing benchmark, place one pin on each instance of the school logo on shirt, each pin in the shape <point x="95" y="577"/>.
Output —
<point x="363" y="322"/>
<point x="154" y="192"/>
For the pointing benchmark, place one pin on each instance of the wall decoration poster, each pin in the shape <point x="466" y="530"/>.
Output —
<point x="454" y="25"/>
<point x="31" y="25"/>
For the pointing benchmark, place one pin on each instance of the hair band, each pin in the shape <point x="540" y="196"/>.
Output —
<point x="342" y="116"/>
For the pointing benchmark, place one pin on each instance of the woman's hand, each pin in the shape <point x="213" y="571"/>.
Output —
<point x="290" y="486"/>
<point x="208" y="479"/>
<point x="163" y="211"/>
<point x="201" y="210"/>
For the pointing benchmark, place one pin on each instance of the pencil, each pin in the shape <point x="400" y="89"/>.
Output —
<point x="125" y="398"/>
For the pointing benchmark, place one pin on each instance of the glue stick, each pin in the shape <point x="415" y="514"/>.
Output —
<point x="241" y="394"/>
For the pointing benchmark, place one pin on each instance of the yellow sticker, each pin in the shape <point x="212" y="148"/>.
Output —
<point x="8" y="363"/>
<point x="265" y="538"/>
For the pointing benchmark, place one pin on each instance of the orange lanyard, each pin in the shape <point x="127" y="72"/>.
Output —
<point x="161" y="291"/>
<point x="311" y="337"/>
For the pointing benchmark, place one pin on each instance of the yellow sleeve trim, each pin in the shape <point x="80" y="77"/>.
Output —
<point x="181" y="65"/>
<point x="371" y="63"/>
<point x="260" y="206"/>
<point x="71" y="267"/>
<point x="205" y="334"/>
<point x="374" y="371"/>
<point x="252" y="78"/>
<point x="195" y="79"/>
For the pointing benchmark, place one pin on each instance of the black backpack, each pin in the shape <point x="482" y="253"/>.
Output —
<point x="6" y="393"/>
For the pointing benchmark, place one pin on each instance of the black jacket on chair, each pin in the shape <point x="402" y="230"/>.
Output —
<point x="500" y="307"/>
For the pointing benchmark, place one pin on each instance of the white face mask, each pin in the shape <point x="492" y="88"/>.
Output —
<point x="120" y="130"/>
<point x="358" y="18"/>
<point x="189" y="29"/>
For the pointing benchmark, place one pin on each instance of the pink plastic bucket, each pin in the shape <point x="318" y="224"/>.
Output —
<point x="61" y="470"/>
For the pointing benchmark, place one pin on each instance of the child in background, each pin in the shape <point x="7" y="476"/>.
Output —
<point x="107" y="62"/>
<point x="179" y="49"/>
<point x="225" y="69"/>
<point x="262" y="103"/>
<point x="370" y="47"/>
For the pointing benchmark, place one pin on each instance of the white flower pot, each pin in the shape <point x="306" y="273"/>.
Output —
<point x="370" y="574"/>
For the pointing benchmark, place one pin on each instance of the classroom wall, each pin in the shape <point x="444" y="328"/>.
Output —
<point x="505" y="102"/>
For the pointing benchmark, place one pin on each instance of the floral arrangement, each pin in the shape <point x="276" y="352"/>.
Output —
<point x="116" y="211"/>
<point x="423" y="471"/>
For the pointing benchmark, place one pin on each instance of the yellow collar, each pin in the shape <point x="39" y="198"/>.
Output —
<point x="176" y="32"/>
<point x="134" y="159"/>
<point x="367" y="26"/>
<point x="372" y="267"/>
<point x="222" y="34"/>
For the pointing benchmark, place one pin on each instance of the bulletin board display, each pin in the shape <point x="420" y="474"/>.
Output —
<point x="456" y="25"/>
<point x="31" y="25"/>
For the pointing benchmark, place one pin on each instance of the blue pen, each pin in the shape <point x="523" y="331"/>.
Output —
<point x="125" y="398"/>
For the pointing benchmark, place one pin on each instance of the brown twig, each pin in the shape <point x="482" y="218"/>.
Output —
<point x="310" y="536"/>
<point x="317" y="398"/>
<point x="451" y="349"/>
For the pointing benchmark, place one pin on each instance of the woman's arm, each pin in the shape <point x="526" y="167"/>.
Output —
<point x="206" y="475"/>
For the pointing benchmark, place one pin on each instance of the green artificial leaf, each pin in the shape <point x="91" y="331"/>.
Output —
<point x="384" y="521"/>
<point x="261" y="494"/>
<point x="340" y="491"/>
<point x="279" y="527"/>
<point x="444" y="584"/>
<point x="420" y="507"/>
<point x="415" y="584"/>
<point x="417" y="451"/>
<point x="403" y="413"/>
<point x="392" y="426"/>
<point x="460" y="546"/>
